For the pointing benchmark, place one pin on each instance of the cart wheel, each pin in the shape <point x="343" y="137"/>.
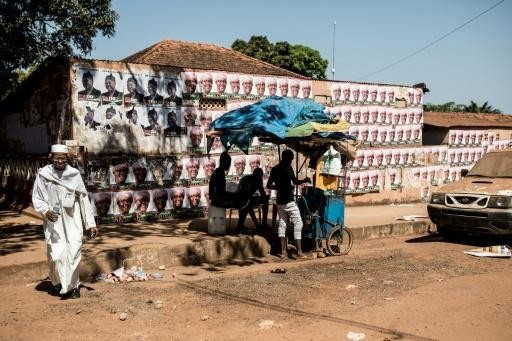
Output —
<point x="339" y="241"/>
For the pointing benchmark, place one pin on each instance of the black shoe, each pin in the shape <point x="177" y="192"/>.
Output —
<point x="75" y="293"/>
<point x="55" y="290"/>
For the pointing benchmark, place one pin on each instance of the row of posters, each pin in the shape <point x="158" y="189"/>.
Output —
<point x="462" y="138"/>
<point x="149" y="173"/>
<point x="350" y="93"/>
<point x="381" y="115"/>
<point x="169" y="90"/>
<point x="382" y="135"/>
<point x="409" y="157"/>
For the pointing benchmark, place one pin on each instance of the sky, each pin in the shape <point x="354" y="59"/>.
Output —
<point x="474" y="63"/>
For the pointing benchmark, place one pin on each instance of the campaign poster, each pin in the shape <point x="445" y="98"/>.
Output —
<point x="383" y="135"/>
<point x="154" y="87"/>
<point x="305" y="89"/>
<point x="390" y="92"/>
<point x="374" y="180"/>
<point x="177" y="198"/>
<point x="195" y="140"/>
<point x="283" y="87"/>
<point x="418" y="116"/>
<point x="220" y="86"/>
<point x="123" y="203"/>
<point x="396" y="116"/>
<point x="399" y="133"/>
<point x="374" y="114"/>
<point x="408" y="134"/>
<point x="382" y="118"/>
<point x="382" y="95"/>
<point x="363" y="134"/>
<point x="406" y="157"/>
<point x="416" y="133"/>
<point x="159" y="200"/>
<point x="388" y="157"/>
<point x="172" y="92"/>
<point x="391" y="135"/>
<point x="397" y="157"/>
<point x="89" y="89"/>
<point x="272" y="86"/>
<point x="369" y="158"/>
<point x="355" y="181"/>
<point x="425" y="193"/>
<point x="378" y="158"/>
<point x="195" y="197"/>
<point x="189" y="116"/>
<point x="101" y="204"/>
<point x="356" y="114"/>
<point x="234" y="85"/>
<point x="359" y="161"/>
<point x="133" y="89"/>
<point x="403" y="116"/>
<point x="336" y="93"/>
<point x="373" y="94"/>
<point x="346" y="111"/>
<point x="355" y="93"/>
<point x="365" y="181"/>
<point x="364" y="94"/>
<point x="152" y="121"/>
<point x="373" y="134"/>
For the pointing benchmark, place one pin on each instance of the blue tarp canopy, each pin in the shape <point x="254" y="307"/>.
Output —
<point x="268" y="118"/>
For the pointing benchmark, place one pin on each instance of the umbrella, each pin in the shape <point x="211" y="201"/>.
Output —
<point x="270" y="117"/>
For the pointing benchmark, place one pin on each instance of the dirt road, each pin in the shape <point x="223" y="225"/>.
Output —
<point x="410" y="288"/>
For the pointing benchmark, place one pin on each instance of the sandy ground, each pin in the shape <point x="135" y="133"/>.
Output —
<point x="410" y="288"/>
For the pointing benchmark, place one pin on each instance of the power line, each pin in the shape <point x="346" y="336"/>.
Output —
<point x="432" y="43"/>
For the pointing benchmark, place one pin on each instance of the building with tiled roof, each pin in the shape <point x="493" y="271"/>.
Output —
<point x="467" y="119"/>
<point x="438" y="125"/>
<point x="200" y="56"/>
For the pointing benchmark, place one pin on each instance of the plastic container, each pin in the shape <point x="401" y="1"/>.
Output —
<point x="216" y="220"/>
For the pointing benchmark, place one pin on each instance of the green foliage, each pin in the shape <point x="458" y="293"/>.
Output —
<point x="484" y="108"/>
<point x="296" y="58"/>
<point x="453" y="107"/>
<point x="33" y="30"/>
<point x="445" y="107"/>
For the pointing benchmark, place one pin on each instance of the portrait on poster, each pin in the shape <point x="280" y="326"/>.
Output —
<point x="159" y="200"/>
<point x="112" y="87"/>
<point x="92" y="118"/>
<point x="365" y="181"/>
<point x="152" y="121"/>
<point x="363" y="134"/>
<point x="355" y="93"/>
<point x="271" y="86"/>
<point x="177" y="198"/>
<point x="234" y="85"/>
<point x="305" y="88"/>
<point x="133" y="91"/>
<point x="154" y="88"/>
<point x="209" y="163"/>
<point x="364" y="93"/>
<point x="205" y="83"/>
<point x="123" y="202"/>
<point x="336" y="93"/>
<point x="375" y="180"/>
<point x="382" y="118"/>
<point x="189" y="85"/>
<point x="356" y="114"/>
<point x="172" y="122"/>
<point x="238" y="166"/>
<point x="192" y="169"/>
<point x="397" y="157"/>
<point x="88" y="82"/>
<point x="195" y="197"/>
<point x="369" y="157"/>
<point x="189" y="116"/>
<point x="373" y="134"/>
<point x="378" y="158"/>
<point x="102" y="203"/>
<point x="173" y="95"/>
<point x="294" y="88"/>
<point x="260" y="86"/>
<point x="196" y="139"/>
<point x="374" y="114"/>
<point x="221" y="83"/>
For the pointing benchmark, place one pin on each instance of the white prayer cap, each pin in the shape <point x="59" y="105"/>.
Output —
<point x="59" y="148"/>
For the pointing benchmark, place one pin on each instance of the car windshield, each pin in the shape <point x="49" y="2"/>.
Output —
<point x="494" y="165"/>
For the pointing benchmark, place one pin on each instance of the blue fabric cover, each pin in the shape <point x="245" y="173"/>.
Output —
<point x="270" y="117"/>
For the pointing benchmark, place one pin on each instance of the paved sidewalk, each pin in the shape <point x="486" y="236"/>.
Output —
<point x="174" y="242"/>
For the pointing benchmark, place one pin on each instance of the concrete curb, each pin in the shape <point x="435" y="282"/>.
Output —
<point x="207" y="249"/>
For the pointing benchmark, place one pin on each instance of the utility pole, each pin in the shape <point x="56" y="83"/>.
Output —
<point x="333" y="48"/>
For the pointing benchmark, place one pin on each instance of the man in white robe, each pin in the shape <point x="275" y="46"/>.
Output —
<point x="59" y="194"/>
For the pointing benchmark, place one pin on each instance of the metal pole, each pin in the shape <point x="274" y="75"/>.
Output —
<point x="333" y="48"/>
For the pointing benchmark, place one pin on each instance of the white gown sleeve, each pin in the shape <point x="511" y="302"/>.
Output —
<point x="40" y="198"/>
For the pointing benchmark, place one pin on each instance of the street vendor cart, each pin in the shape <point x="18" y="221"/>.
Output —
<point x="302" y="126"/>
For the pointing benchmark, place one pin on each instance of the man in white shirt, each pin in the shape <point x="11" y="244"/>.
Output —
<point x="59" y="194"/>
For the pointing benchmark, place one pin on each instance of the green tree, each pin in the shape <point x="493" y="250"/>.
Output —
<point x="32" y="30"/>
<point x="453" y="107"/>
<point x="445" y="107"/>
<point x="484" y="108"/>
<point x="296" y="58"/>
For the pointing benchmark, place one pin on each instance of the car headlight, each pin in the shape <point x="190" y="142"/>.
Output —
<point x="437" y="198"/>
<point x="499" y="201"/>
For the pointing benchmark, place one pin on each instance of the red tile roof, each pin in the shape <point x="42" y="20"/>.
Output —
<point x="465" y="119"/>
<point x="201" y="56"/>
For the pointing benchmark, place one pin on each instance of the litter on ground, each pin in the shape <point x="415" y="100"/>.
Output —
<point x="499" y="251"/>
